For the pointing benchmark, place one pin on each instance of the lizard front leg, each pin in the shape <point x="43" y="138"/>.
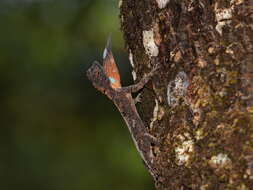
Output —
<point x="136" y="87"/>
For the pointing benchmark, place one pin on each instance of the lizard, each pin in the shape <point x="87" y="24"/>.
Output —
<point x="106" y="79"/>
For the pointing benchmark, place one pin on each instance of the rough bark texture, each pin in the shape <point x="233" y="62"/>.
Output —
<point x="201" y="105"/>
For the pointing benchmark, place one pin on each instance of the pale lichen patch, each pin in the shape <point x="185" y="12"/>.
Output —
<point x="217" y="61"/>
<point x="149" y="43"/>
<point x="201" y="62"/>
<point x="223" y="17"/>
<point x="131" y="58"/>
<point x="223" y="14"/>
<point x="120" y="3"/>
<point x="184" y="149"/>
<point x="134" y="75"/>
<point x="197" y="114"/>
<point x="178" y="56"/>
<point x="155" y="113"/>
<point x="235" y="50"/>
<point x="177" y="89"/>
<point x="220" y="161"/>
<point x="219" y="26"/>
<point x="221" y="126"/>
<point x="158" y="113"/>
<point x="211" y="50"/>
<point x="249" y="173"/>
<point x="122" y="18"/>
<point x="199" y="134"/>
<point x="236" y="2"/>
<point x="229" y="51"/>
<point x="162" y="3"/>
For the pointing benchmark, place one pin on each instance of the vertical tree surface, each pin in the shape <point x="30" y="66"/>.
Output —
<point x="200" y="105"/>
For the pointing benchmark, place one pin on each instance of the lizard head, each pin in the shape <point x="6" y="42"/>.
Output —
<point x="98" y="77"/>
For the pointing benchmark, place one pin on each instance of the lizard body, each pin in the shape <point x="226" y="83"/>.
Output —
<point x="107" y="80"/>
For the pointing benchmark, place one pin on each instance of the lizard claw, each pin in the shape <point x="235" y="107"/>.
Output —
<point x="156" y="68"/>
<point x="152" y="139"/>
<point x="137" y="99"/>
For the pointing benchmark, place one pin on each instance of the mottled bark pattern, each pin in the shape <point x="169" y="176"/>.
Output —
<point x="205" y="121"/>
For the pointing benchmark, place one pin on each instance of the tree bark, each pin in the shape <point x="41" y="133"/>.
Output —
<point x="200" y="106"/>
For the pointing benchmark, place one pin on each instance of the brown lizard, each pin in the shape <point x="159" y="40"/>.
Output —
<point x="106" y="79"/>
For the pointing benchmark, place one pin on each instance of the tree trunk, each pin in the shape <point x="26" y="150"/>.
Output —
<point x="200" y="106"/>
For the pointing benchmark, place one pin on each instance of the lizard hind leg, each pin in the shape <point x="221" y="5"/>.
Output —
<point x="152" y="139"/>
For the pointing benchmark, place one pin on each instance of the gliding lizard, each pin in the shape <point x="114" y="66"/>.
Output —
<point x="107" y="80"/>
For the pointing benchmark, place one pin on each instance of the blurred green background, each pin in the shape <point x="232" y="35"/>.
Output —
<point x="57" y="131"/>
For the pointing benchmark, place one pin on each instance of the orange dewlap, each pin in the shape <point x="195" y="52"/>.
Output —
<point x="112" y="71"/>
